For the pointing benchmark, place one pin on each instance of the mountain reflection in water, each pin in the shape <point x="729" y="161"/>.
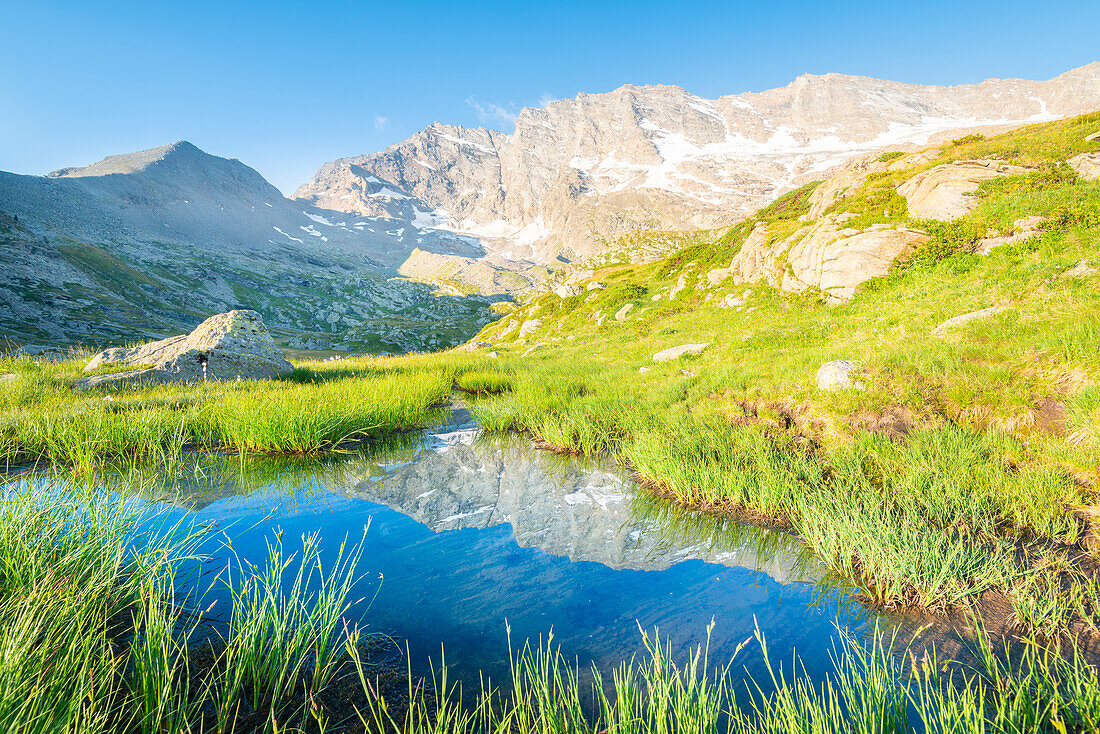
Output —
<point x="470" y="535"/>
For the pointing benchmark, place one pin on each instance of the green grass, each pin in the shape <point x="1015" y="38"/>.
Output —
<point x="867" y="691"/>
<point x="98" y="635"/>
<point x="484" y="382"/>
<point x="322" y="406"/>
<point x="96" y="639"/>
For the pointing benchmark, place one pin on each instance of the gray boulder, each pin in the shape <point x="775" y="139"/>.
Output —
<point x="837" y="375"/>
<point x="567" y="291"/>
<point x="676" y="352"/>
<point x="229" y="346"/>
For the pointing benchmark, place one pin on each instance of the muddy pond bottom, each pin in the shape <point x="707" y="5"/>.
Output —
<point x="469" y="538"/>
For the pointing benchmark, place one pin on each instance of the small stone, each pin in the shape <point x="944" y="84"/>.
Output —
<point x="730" y="301"/>
<point x="967" y="317"/>
<point x="620" y="315"/>
<point x="1083" y="269"/>
<point x="1093" y="138"/>
<point x="837" y="375"/>
<point x="676" y="352"/>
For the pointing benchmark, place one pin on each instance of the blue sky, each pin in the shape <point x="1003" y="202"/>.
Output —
<point x="287" y="86"/>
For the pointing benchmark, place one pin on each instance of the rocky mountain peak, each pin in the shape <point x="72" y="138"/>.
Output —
<point x="178" y="153"/>
<point x="580" y="172"/>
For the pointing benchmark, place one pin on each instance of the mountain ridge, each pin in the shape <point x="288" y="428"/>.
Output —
<point x="579" y="172"/>
<point x="152" y="242"/>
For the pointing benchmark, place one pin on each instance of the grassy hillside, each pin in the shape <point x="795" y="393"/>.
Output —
<point x="968" y="460"/>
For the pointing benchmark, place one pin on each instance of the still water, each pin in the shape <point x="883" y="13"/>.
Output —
<point x="468" y="537"/>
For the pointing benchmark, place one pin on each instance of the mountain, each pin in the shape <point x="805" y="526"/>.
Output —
<point x="581" y="172"/>
<point x="144" y="244"/>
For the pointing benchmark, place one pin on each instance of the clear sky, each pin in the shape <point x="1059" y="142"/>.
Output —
<point x="288" y="86"/>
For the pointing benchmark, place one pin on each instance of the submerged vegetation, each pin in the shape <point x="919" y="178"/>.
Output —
<point x="958" y="472"/>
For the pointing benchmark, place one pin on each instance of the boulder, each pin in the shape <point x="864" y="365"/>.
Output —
<point x="595" y="285"/>
<point x="945" y="191"/>
<point x="529" y="327"/>
<point x="966" y="318"/>
<point x="579" y="275"/>
<point x="756" y="257"/>
<point x="836" y="261"/>
<point x="567" y="291"/>
<point x="621" y="314"/>
<point x="474" y="345"/>
<point x="1087" y="165"/>
<point x="716" y="276"/>
<point x="730" y="301"/>
<point x="676" y="352"/>
<point x="229" y="346"/>
<point x="837" y="375"/>
<point x="1093" y="138"/>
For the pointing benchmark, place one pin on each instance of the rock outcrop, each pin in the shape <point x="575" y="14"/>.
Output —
<point x="529" y="327"/>
<point x="1023" y="229"/>
<point x="1087" y="165"/>
<point x="946" y="191"/>
<point x="836" y="261"/>
<point x="229" y="346"/>
<point x="822" y="255"/>
<point x="622" y="313"/>
<point x="1082" y="269"/>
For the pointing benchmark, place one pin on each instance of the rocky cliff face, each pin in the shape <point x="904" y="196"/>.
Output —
<point x="148" y="243"/>
<point x="583" y="171"/>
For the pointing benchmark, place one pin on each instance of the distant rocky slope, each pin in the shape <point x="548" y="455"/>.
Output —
<point x="878" y="215"/>
<point x="146" y="244"/>
<point x="581" y="172"/>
